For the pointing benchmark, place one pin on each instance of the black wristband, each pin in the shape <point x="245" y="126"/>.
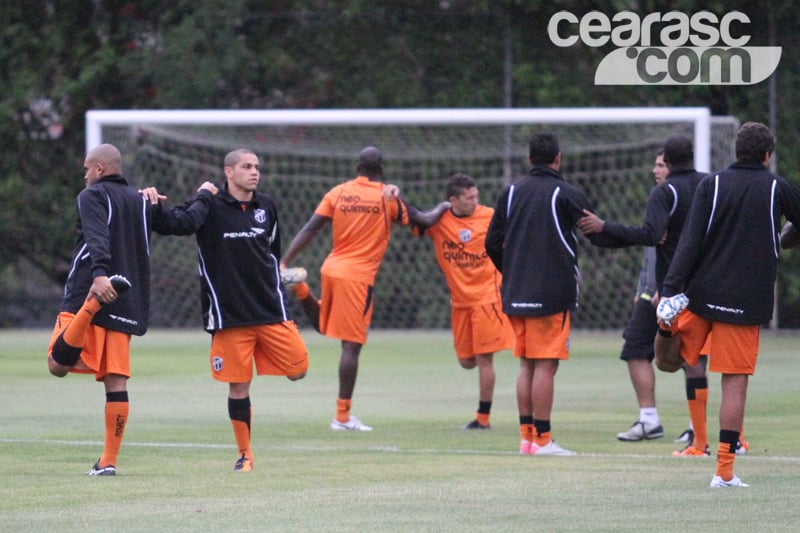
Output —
<point x="665" y="332"/>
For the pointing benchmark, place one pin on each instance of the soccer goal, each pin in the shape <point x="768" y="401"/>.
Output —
<point x="607" y="152"/>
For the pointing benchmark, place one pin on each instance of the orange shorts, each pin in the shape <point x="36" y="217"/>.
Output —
<point x="345" y="309"/>
<point x="480" y="330"/>
<point x="104" y="351"/>
<point x="731" y="348"/>
<point x="277" y="350"/>
<point x="541" y="337"/>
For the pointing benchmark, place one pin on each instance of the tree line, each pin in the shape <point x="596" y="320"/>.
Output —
<point x="59" y="59"/>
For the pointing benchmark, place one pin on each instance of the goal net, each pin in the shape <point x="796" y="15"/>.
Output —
<point x="608" y="153"/>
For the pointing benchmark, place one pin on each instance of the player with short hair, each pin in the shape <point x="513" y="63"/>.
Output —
<point x="479" y="326"/>
<point x="665" y="215"/>
<point x="361" y="216"/>
<point x="531" y="240"/>
<point x="637" y="350"/>
<point x="733" y="227"/>
<point x="243" y="302"/>
<point x="107" y="292"/>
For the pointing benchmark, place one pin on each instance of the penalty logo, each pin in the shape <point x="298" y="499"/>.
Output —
<point x="701" y="49"/>
<point x="216" y="363"/>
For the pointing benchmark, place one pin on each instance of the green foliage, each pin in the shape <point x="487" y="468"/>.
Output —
<point x="60" y="59"/>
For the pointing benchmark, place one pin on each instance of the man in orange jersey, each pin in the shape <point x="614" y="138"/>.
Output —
<point x="478" y="323"/>
<point x="361" y="216"/>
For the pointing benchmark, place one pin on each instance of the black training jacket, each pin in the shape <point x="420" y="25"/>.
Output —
<point x="726" y="259"/>
<point x="239" y="254"/>
<point x="113" y="227"/>
<point x="532" y="241"/>
<point x="113" y="237"/>
<point x="666" y="210"/>
<point x="113" y="230"/>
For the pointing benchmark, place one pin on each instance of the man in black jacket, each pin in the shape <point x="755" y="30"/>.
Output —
<point x="665" y="215"/>
<point x="107" y="293"/>
<point x="723" y="275"/>
<point x="531" y="240"/>
<point x="243" y="302"/>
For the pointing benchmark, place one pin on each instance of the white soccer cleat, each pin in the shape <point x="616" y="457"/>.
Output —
<point x="669" y="308"/>
<point x="354" y="424"/>
<point x="292" y="276"/>
<point x="641" y="431"/>
<point x="551" y="448"/>
<point x="718" y="482"/>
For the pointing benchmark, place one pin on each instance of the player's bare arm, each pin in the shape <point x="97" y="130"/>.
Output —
<point x="303" y="237"/>
<point x="426" y="219"/>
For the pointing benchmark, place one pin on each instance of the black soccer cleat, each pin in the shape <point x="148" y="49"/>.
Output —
<point x="98" y="470"/>
<point x="120" y="283"/>
<point x="476" y="425"/>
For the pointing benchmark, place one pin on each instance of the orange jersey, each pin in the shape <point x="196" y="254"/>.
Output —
<point x="362" y="223"/>
<point x="459" y="243"/>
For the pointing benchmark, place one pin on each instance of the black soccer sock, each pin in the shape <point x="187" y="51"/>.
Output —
<point x="64" y="354"/>
<point x="484" y="408"/>
<point x="542" y="426"/>
<point x="692" y="384"/>
<point x="729" y="437"/>
<point x="239" y="409"/>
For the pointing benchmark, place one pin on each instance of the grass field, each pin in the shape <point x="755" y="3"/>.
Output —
<point x="418" y="471"/>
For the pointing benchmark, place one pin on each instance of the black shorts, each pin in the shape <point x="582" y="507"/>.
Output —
<point x="640" y="332"/>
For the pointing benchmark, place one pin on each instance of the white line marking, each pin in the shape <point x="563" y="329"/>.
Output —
<point x="378" y="449"/>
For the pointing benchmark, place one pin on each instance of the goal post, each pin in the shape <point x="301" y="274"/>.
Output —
<point x="608" y="153"/>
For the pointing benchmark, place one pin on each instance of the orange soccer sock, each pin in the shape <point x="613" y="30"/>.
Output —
<point x="726" y="453"/>
<point x="697" y="399"/>
<point x="76" y="331"/>
<point x="309" y="303"/>
<point x="240" y="413"/>
<point x="484" y="412"/>
<point x="301" y="290"/>
<point x="343" y="410"/>
<point x="526" y="428"/>
<point x="117" y="408"/>
<point x="68" y="346"/>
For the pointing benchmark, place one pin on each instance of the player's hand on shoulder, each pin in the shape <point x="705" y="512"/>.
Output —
<point x="208" y="186"/>
<point x="590" y="223"/>
<point x="151" y="194"/>
<point x="390" y="190"/>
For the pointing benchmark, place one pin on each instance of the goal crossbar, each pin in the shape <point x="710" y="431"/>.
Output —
<point x="700" y="117"/>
